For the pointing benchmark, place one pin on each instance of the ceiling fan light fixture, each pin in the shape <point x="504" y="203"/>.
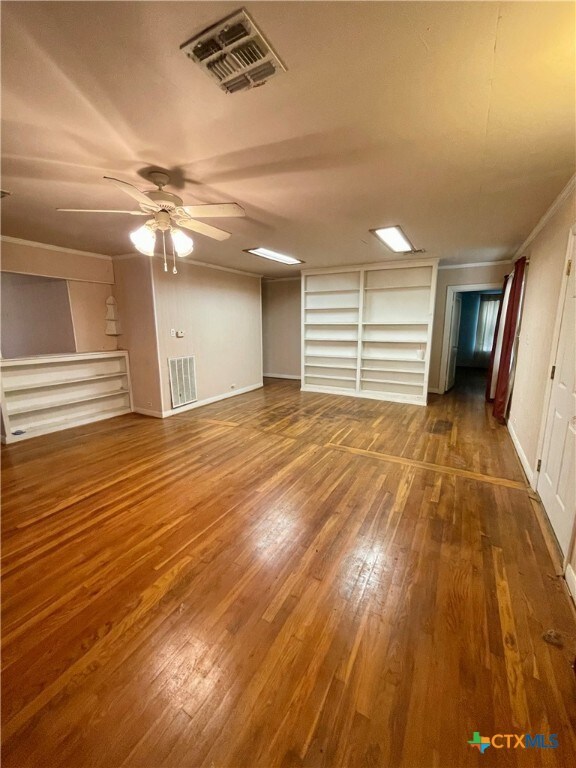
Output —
<point x="183" y="245"/>
<point x="394" y="239"/>
<point x="144" y="240"/>
<point x="266" y="253"/>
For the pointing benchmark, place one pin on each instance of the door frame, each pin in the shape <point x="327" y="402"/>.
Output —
<point x="450" y="291"/>
<point x="570" y="254"/>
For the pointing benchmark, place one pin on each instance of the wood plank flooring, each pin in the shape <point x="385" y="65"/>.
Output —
<point x="282" y="579"/>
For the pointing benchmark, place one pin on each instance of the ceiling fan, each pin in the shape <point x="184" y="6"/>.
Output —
<point x="168" y="215"/>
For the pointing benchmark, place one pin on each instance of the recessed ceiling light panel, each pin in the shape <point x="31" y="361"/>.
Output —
<point x="234" y="53"/>
<point x="395" y="239"/>
<point x="266" y="253"/>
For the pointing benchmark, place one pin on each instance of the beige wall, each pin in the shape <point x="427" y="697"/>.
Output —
<point x="90" y="278"/>
<point x="135" y="297"/>
<point x="36" y="318"/>
<point x="483" y="275"/>
<point x="50" y="261"/>
<point x="88" y="308"/>
<point x="281" y="320"/>
<point x="221" y="317"/>
<point x="547" y="253"/>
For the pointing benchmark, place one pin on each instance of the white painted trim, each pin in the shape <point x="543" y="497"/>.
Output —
<point x="148" y="412"/>
<point x="526" y="466"/>
<point x="61" y="358"/>
<point x="389" y="398"/>
<point x="477" y="264"/>
<point x="156" y="333"/>
<point x="72" y="316"/>
<point x="209" y="400"/>
<point x="568" y="189"/>
<point x="281" y="376"/>
<point x="570" y="577"/>
<point x="280" y="279"/>
<point x="46" y="246"/>
<point x="256" y="275"/>
<point x="368" y="267"/>
<point x="450" y="291"/>
<point x="222" y="269"/>
<point x="570" y="250"/>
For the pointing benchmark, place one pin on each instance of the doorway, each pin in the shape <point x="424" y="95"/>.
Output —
<point x="469" y="324"/>
<point x="556" y="480"/>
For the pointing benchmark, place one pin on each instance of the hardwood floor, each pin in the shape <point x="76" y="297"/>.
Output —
<point x="280" y="579"/>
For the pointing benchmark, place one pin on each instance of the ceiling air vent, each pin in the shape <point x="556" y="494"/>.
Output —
<point x="234" y="53"/>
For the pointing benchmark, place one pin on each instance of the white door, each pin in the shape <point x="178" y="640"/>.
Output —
<point x="453" y="341"/>
<point x="556" y="483"/>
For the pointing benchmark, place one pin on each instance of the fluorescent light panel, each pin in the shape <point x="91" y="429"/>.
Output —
<point x="395" y="239"/>
<point x="266" y="253"/>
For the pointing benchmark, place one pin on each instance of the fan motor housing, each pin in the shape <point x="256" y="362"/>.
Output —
<point x="166" y="200"/>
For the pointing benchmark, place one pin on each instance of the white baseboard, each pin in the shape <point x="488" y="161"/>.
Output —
<point x="528" y="469"/>
<point x="197" y="404"/>
<point x="200" y="403"/>
<point x="570" y="577"/>
<point x="149" y="412"/>
<point x="281" y="376"/>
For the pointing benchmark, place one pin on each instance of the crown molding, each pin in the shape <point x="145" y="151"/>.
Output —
<point x="476" y="264"/>
<point x="124" y="256"/>
<point x="47" y="247"/>
<point x="562" y="197"/>
<point x="281" y="280"/>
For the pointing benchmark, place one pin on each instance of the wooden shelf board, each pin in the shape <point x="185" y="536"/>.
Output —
<point x="57" y="426"/>
<point x="394" y="322"/>
<point x="420" y="384"/>
<point x="353" y="324"/>
<point x="396" y="359"/>
<point x="331" y="378"/>
<point x="61" y="382"/>
<point x="340" y="357"/>
<point x="336" y="341"/>
<point x="397" y="287"/>
<point x="334" y="290"/>
<point x="324" y="365"/>
<point x="66" y="403"/>
<point x="394" y="370"/>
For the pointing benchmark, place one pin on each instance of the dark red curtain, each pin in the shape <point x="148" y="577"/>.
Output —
<point x="495" y="341"/>
<point x="510" y="325"/>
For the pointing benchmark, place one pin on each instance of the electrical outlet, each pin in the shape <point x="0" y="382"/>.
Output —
<point x="179" y="334"/>
<point x="172" y="331"/>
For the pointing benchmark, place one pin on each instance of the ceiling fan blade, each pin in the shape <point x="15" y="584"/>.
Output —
<point x="223" y="210"/>
<point x="131" y="190"/>
<point x="204" y="229"/>
<point x="91" y="210"/>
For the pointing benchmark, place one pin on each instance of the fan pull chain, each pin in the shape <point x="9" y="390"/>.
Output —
<point x="164" y="244"/>
<point x="174" y="270"/>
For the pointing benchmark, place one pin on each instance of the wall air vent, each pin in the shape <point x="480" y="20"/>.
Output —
<point x="234" y="53"/>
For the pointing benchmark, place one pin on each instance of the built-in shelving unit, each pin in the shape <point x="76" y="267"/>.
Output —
<point x="367" y="331"/>
<point x="53" y="392"/>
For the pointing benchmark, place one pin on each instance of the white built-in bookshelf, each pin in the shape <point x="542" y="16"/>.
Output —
<point x="367" y="331"/>
<point x="53" y="392"/>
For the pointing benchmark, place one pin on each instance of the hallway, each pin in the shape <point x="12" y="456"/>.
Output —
<point x="280" y="579"/>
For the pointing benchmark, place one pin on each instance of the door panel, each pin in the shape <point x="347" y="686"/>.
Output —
<point x="556" y="483"/>
<point x="453" y="342"/>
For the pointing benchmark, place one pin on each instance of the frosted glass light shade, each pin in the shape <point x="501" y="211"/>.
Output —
<point x="183" y="245"/>
<point x="144" y="240"/>
<point x="395" y="239"/>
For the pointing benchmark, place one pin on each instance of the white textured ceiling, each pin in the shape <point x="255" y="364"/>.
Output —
<point x="456" y="120"/>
